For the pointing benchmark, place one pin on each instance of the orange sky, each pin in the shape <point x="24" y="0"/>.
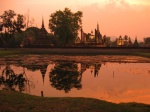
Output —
<point x="115" y="17"/>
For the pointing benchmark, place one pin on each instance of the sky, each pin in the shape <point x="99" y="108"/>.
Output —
<point x="115" y="17"/>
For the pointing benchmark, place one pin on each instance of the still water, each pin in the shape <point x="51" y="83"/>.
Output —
<point x="110" y="81"/>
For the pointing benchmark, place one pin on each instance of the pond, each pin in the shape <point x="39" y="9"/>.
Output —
<point x="114" y="79"/>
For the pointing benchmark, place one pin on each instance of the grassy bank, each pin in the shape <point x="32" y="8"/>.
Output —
<point x="77" y="51"/>
<point x="15" y="101"/>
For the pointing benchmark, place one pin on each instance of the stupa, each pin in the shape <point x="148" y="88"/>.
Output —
<point x="42" y="41"/>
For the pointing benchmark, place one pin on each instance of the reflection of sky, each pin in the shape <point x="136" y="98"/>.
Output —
<point x="126" y="82"/>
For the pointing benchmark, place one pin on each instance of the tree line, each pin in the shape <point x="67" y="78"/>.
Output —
<point x="64" y="26"/>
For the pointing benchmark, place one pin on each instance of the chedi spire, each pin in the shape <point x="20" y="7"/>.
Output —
<point x="42" y="22"/>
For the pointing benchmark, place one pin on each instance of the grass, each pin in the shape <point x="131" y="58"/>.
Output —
<point x="77" y="51"/>
<point x="11" y="101"/>
<point x="8" y="52"/>
<point x="143" y="54"/>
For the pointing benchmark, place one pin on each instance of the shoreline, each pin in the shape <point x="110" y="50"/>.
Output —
<point x="144" y="52"/>
<point x="15" y="101"/>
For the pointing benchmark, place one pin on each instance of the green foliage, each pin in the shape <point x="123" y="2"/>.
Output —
<point x="65" y="25"/>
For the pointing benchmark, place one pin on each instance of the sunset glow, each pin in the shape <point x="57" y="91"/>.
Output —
<point x="115" y="17"/>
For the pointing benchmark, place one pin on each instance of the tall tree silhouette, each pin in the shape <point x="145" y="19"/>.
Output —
<point x="65" y="76"/>
<point x="65" y="25"/>
<point x="11" y="23"/>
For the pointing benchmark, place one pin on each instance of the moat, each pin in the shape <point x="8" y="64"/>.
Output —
<point x="111" y="78"/>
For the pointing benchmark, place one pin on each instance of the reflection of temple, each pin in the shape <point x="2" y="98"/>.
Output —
<point x="91" y="39"/>
<point x="42" y="68"/>
<point x="42" y="40"/>
<point x="94" y="67"/>
<point x="43" y="71"/>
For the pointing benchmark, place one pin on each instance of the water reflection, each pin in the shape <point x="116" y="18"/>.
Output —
<point x="93" y="67"/>
<point x="42" y="67"/>
<point x="11" y="81"/>
<point x="65" y="76"/>
<point x="115" y="82"/>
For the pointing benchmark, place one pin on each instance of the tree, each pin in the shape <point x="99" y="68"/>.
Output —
<point x="28" y="21"/>
<point x="29" y="35"/>
<point x="126" y="37"/>
<point x="19" y="24"/>
<point x="11" y="23"/>
<point x="35" y="31"/>
<point x="106" y="40"/>
<point x="147" y="41"/>
<point x="65" y="25"/>
<point x="1" y="26"/>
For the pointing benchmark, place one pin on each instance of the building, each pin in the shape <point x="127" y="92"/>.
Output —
<point x="136" y="44"/>
<point x="120" y="41"/>
<point x="124" y="42"/>
<point x="42" y="40"/>
<point x="91" y="39"/>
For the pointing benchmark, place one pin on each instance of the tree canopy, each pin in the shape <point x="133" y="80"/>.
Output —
<point x="65" y="25"/>
<point x="147" y="41"/>
<point x="11" y="22"/>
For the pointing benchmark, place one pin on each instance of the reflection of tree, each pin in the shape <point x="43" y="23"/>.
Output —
<point x="10" y="80"/>
<point x="65" y="76"/>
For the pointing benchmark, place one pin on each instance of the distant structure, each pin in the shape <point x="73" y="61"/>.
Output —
<point x="42" y="40"/>
<point x="120" y="41"/>
<point x="91" y="39"/>
<point x="136" y="44"/>
<point x="129" y="44"/>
